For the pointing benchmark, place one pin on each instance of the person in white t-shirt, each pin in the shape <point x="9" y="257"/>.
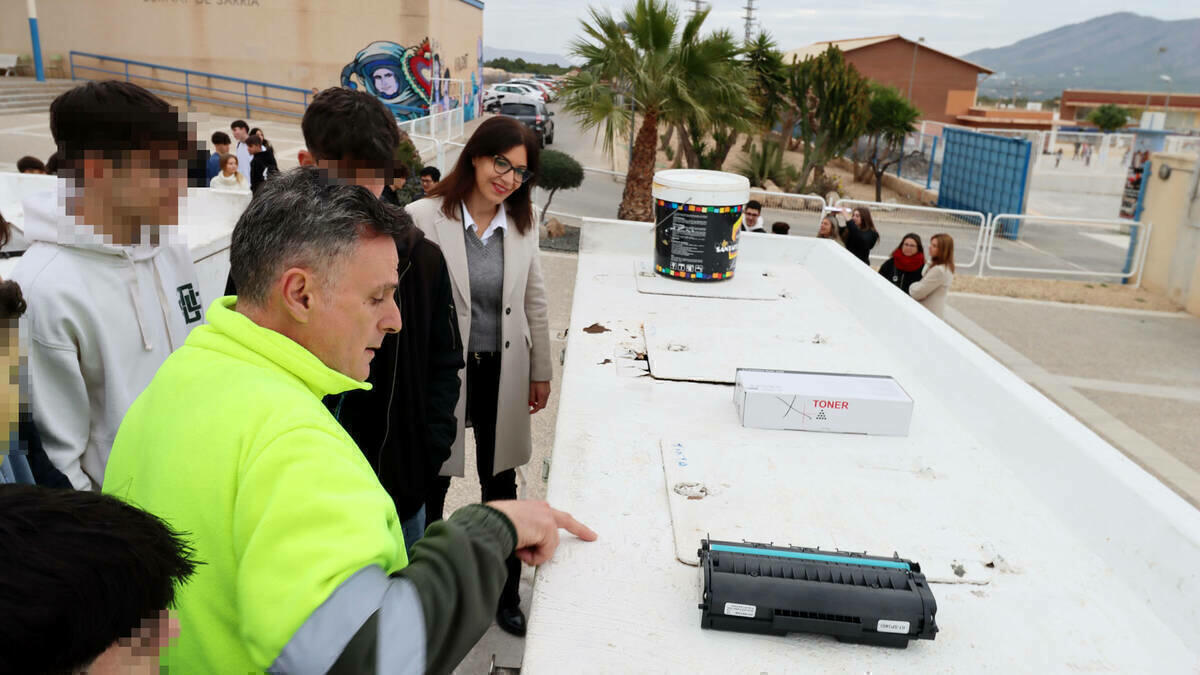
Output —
<point x="241" y="131"/>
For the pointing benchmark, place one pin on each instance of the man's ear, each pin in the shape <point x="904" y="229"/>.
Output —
<point x="298" y="285"/>
<point x="306" y="158"/>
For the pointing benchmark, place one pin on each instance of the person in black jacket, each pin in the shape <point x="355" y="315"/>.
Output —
<point x="262" y="162"/>
<point x="903" y="269"/>
<point x="859" y="234"/>
<point x="405" y="425"/>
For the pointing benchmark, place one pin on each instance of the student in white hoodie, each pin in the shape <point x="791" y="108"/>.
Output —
<point x="110" y="293"/>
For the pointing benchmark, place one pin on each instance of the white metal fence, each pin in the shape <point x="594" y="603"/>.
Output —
<point x="443" y="126"/>
<point x="1182" y="144"/>
<point x="801" y="212"/>
<point x="894" y="221"/>
<point x="1077" y="247"/>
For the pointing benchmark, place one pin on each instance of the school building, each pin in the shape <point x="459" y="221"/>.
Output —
<point x="399" y="50"/>
<point x="940" y="85"/>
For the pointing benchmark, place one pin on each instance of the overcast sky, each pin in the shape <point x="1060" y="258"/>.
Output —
<point x="954" y="26"/>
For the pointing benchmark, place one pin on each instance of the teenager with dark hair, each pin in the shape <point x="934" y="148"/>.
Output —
<point x="933" y="289"/>
<point x="429" y="178"/>
<point x="405" y="425"/>
<point x="482" y="217"/>
<point x="52" y="164"/>
<point x="859" y="233"/>
<point x="110" y="294"/>
<point x="780" y="227"/>
<point x="257" y="131"/>
<point x="87" y="583"/>
<point x="263" y="164"/>
<point x="29" y="164"/>
<point x="241" y="131"/>
<point x="750" y="216"/>
<point x="903" y="269"/>
<point x="220" y="146"/>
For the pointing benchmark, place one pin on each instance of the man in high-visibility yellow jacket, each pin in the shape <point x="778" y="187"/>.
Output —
<point x="303" y="561"/>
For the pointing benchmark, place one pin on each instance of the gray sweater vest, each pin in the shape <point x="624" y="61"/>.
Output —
<point x="485" y="269"/>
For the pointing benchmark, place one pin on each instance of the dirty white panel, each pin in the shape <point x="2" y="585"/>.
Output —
<point x="749" y="282"/>
<point x="1096" y="564"/>
<point x="823" y="492"/>
<point x="807" y="330"/>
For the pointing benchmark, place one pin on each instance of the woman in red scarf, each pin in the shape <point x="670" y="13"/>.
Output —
<point x="904" y="267"/>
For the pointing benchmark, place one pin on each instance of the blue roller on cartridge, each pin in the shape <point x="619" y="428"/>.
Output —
<point x="761" y="588"/>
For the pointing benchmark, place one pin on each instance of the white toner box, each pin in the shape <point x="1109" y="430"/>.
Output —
<point x="852" y="404"/>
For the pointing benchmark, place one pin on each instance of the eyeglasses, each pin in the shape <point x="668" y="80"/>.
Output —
<point x="503" y="166"/>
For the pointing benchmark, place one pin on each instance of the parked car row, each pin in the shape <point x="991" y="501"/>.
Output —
<point x="525" y="99"/>
<point x="541" y="88"/>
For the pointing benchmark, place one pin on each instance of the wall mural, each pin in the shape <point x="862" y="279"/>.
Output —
<point x="406" y="79"/>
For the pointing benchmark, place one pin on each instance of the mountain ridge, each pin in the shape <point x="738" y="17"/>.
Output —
<point x="490" y="53"/>
<point x="1069" y="57"/>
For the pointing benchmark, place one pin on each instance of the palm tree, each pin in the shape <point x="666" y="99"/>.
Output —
<point x="768" y="80"/>
<point x="891" y="118"/>
<point x="718" y="79"/>
<point x="650" y="56"/>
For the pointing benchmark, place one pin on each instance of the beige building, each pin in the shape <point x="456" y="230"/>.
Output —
<point x="400" y="50"/>
<point x="1172" y="263"/>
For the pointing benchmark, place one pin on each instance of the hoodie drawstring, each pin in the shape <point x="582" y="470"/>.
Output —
<point x="135" y="290"/>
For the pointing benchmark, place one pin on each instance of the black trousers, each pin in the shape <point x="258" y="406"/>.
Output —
<point x="483" y="392"/>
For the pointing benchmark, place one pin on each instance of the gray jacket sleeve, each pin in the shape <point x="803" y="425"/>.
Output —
<point x="425" y="618"/>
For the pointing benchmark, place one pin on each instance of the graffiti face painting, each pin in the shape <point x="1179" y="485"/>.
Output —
<point x="385" y="82"/>
<point x="400" y="77"/>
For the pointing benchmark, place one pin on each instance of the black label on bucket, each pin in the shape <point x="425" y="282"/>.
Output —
<point x="698" y="243"/>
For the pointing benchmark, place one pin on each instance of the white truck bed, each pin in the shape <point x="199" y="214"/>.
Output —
<point x="1074" y="558"/>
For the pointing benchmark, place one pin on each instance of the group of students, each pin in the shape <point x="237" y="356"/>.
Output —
<point x="244" y="167"/>
<point x="926" y="280"/>
<point x="274" y="469"/>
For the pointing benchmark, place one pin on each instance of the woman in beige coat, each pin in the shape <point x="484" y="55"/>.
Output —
<point x="934" y="285"/>
<point x="482" y="218"/>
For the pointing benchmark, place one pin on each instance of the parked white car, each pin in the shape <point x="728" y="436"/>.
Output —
<point x="515" y="88"/>
<point x="540" y="86"/>
<point x="495" y="96"/>
<point x="504" y="93"/>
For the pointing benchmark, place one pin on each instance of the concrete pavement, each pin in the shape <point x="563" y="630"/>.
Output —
<point x="1131" y="376"/>
<point x="559" y="272"/>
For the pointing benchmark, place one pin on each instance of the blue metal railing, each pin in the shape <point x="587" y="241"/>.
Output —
<point x="194" y="91"/>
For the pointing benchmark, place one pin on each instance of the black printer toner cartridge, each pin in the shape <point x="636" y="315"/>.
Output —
<point x="759" y="588"/>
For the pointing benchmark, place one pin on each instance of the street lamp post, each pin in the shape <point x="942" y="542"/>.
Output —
<point x="913" y="72"/>
<point x="1167" y="103"/>
<point x="1157" y="62"/>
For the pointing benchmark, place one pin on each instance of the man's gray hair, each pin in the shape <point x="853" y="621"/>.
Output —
<point x="303" y="219"/>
